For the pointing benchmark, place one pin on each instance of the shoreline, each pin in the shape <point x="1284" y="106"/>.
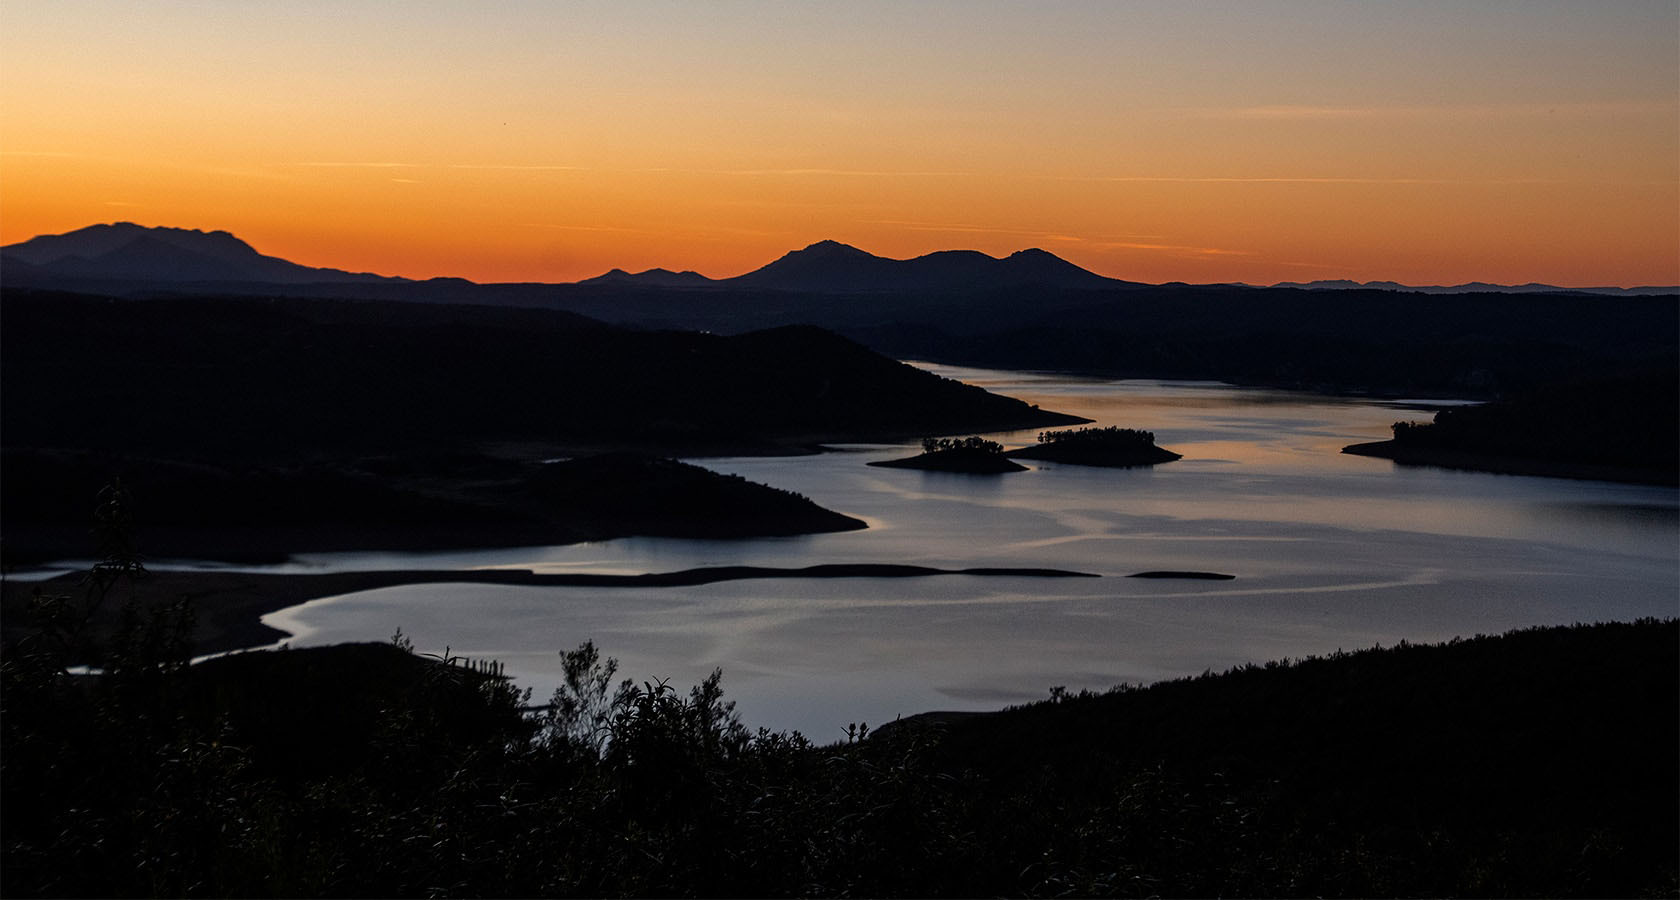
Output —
<point x="229" y="606"/>
<point x="1469" y="460"/>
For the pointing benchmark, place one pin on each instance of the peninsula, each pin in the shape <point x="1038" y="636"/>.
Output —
<point x="1623" y="428"/>
<point x="264" y="512"/>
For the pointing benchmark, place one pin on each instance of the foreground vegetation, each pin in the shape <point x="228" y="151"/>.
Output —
<point x="1541" y="762"/>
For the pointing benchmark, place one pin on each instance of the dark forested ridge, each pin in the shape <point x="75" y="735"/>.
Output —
<point x="1358" y="340"/>
<point x="1538" y="763"/>
<point x="208" y="376"/>
<point x="1363" y="341"/>
<point x="263" y="511"/>
<point x="251" y="427"/>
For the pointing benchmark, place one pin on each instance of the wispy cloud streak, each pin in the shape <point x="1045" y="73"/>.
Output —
<point x="559" y="227"/>
<point x="1287" y="111"/>
<point x="503" y="167"/>
<point x="1170" y="248"/>
<point x="1094" y="178"/>
<point x="359" y="165"/>
<point x="1289" y="179"/>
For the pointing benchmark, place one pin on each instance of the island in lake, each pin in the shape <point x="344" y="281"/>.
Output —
<point x="1112" y="447"/>
<point x="969" y="456"/>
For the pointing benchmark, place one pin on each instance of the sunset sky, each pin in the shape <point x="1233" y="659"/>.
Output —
<point x="1253" y="141"/>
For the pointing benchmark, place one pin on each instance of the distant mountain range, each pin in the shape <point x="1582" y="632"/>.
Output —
<point x="124" y="252"/>
<point x="1472" y="287"/>
<point x="831" y="267"/>
<point x="1028" y="310"/>
<point x="651" y="278"/>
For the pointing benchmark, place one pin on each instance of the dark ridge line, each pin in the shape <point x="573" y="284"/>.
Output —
<point x="1204" y="576"/>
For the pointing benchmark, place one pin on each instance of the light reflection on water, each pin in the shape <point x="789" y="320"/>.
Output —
<point x="1330" y="552"/>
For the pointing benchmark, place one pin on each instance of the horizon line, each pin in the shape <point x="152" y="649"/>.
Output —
<point x="920" y="226"/>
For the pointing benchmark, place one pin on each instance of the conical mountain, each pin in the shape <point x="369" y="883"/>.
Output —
<point x="823" y="266"/>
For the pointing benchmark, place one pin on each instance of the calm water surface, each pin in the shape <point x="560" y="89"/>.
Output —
<point x="1330" y="551"/>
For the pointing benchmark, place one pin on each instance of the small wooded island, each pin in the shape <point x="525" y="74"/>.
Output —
<point x="970" y="456"/>
<point x="1111" y="447"/>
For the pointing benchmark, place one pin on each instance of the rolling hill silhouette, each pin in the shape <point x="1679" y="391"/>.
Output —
<point x="833" y="267"/>
<point x="650" y="278"/>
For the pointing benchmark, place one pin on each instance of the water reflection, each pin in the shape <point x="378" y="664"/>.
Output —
<point x="1331" y="552"/>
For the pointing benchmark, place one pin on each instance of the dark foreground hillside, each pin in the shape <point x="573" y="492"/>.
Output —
<point x="1538" y="763"/>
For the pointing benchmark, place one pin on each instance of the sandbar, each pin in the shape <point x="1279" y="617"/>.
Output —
<point x="230" y="605"/>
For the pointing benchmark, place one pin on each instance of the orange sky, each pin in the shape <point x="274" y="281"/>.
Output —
<point x="1259" y="141"/>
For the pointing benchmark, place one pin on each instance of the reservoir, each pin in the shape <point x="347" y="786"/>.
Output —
<point x="1329" y="552"/>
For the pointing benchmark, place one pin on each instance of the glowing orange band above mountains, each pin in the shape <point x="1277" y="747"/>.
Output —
<point x="1258" y="142"/>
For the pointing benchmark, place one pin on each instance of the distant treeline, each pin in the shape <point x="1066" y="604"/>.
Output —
<point x="1539" y="763"/>
<point x="1363" y="340"/>
<point x="1112" y="447"/>
<point x="1359" y="340"/>
<point x="974" y="444"/>
<point x="1113" y="436"/>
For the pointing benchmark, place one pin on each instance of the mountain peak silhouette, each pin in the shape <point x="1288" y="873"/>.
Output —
<point x="124" y="251"/>
<point x="834" y="248"/>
